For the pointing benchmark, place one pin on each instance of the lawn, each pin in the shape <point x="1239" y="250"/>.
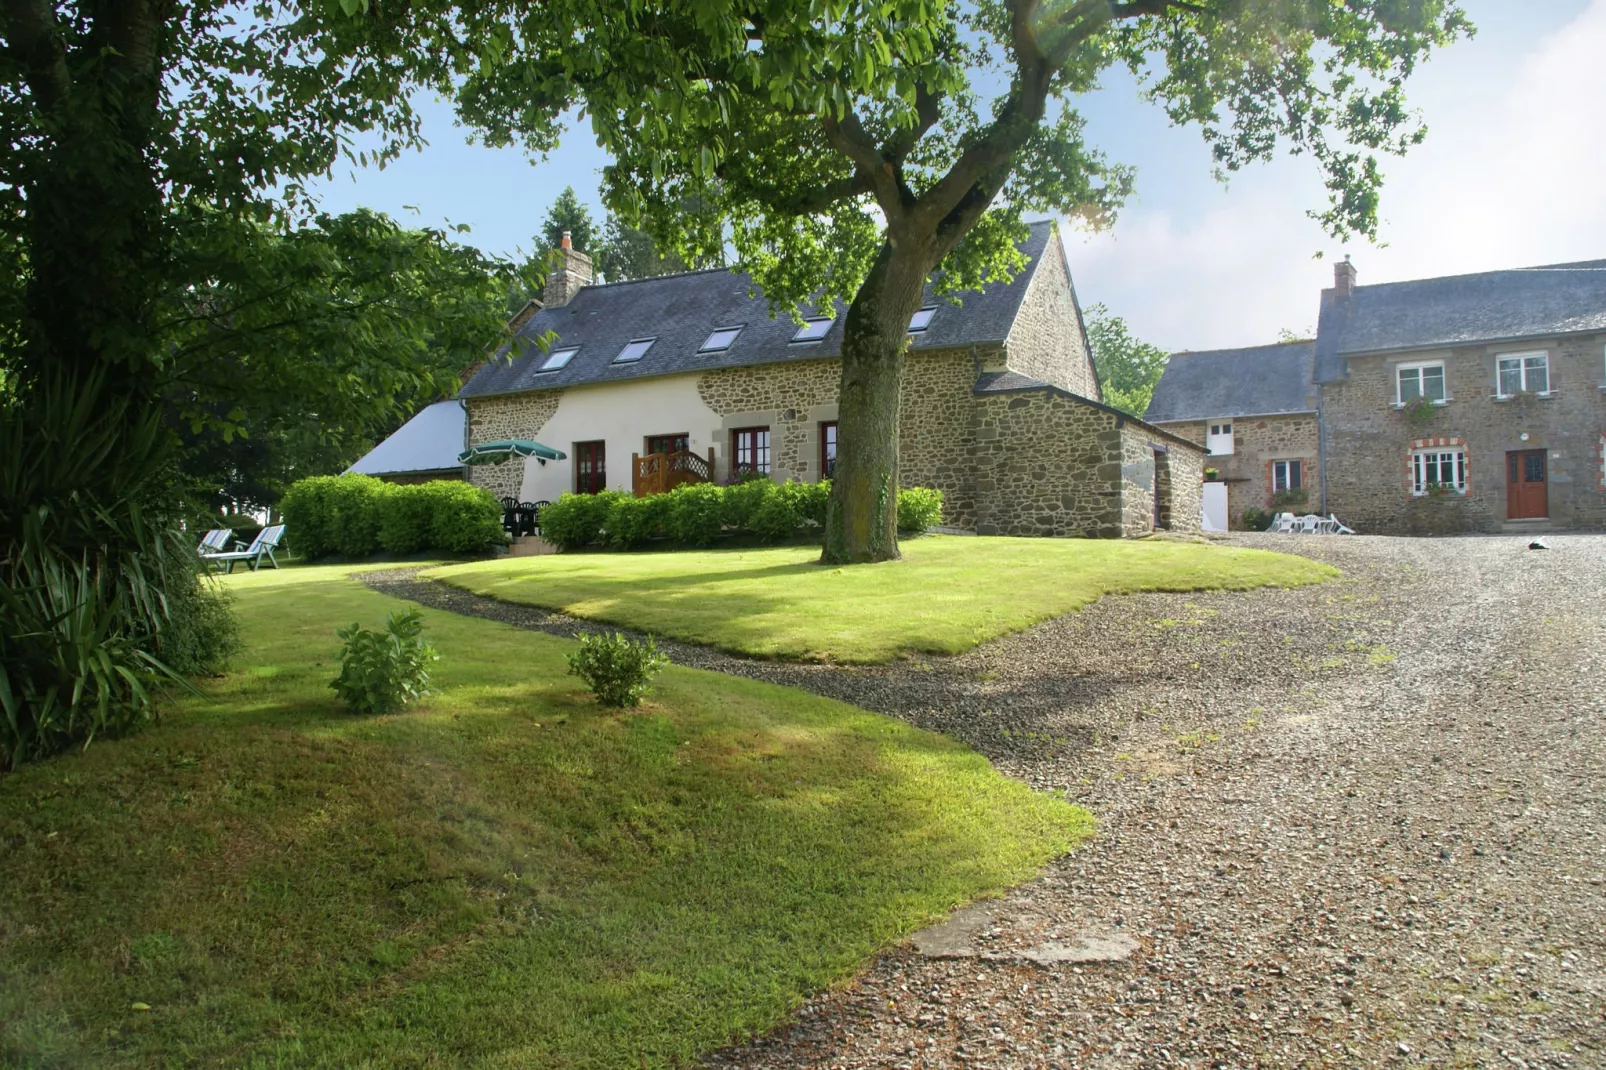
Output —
<point x="948" y="594"/>
<point x="505" y="875"/>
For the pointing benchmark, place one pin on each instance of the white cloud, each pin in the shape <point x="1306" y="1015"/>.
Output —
<point x="1506" y="178"/>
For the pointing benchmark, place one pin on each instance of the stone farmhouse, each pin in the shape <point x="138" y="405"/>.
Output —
<point x="1470" y="403"/>
<point x="650" y="383"/>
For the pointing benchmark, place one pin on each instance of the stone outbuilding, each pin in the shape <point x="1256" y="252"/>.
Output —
<point x="1468" y="403"/>
<point x="688" y="377"/>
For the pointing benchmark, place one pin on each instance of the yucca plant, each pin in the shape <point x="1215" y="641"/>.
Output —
<point x="87" y="556"/>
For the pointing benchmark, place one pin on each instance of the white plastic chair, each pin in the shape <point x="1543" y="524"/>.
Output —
<point x="1310" y="525"/>
<point x="1283" y="524"/>
<point x="1338" y="527"/>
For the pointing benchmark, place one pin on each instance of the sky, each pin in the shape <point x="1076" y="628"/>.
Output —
<point x="1510" y="175"/>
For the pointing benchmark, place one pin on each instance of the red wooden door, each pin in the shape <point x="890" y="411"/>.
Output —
<point x="590" y="467"/>
<point x="1527" y="494"/>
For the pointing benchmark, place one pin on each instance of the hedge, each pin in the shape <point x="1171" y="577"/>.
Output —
<point x="357" y="516"/>
<point x="696" y="514"/>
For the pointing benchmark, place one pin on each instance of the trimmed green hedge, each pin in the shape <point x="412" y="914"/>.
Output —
<point x="698" y="513"/>
<point x="357" y="516"/>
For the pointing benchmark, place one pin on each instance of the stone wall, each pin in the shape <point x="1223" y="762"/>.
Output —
<point x="507" y="416"/>
<point x="1182" y="508"/>
<point x="1257" y="442"/>
<point x="1369" y="440"/>
<point x="1046" y="341"/>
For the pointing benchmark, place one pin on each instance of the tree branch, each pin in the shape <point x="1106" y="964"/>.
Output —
<point x="36" y="45"/>
<point x="927" y="112"/>
<point x="848" y="137"/>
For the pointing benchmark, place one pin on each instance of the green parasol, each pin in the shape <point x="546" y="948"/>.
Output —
<point x="497" y="452"/>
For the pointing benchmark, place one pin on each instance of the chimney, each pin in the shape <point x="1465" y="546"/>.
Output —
<point x="567" y="271"/>
<point x="1343" y="279"/>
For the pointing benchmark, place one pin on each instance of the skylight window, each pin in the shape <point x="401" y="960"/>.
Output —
<point x="634" y="351"/>
<point x="720" y="339"/>
<point x="813" y="329"/>
<point x="922" y="319"/>
<point x="558" y="359"/>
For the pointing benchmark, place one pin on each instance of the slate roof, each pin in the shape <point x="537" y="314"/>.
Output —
<point x="1492" y="306"/>
<point x="429" y="442"/>
<point x="1259" y="381"/>
<point x="680" y="311"/>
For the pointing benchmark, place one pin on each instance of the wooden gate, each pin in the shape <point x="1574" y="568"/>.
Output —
<point x="659" y="473"/>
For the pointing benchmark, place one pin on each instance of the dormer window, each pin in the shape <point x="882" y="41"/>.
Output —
<point x="813" y="329"/>
<point x="634" y="350"/>
<point x="558" y="358"/>
<point x="1523" y="373"/>
<point x="922" y="319"/>
<point x="721" y="339"/>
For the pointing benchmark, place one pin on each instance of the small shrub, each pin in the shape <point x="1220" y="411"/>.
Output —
<point x="1288" y="501"/>
<point x="463" y="518"/>
<point x="742" y="502"/>
<point x="780" y="514"/>
<point x="200" y="634"/>
<point x="404" y="520"/>
<point x="1212" y="475"/>
<point x="1420" y="410"/>
<point x="1255" y="518"/>
<point x="616" y="668"/>
<point x="918" y="509"/>
<point x="815" y="498"/>
<point x="632" y="521"/>
<point x="380" y="672"/>
<point x="575" y="521"/>
<point x="696" y="513"/>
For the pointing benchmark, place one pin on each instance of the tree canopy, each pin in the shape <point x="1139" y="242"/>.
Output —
<point x="569" y="213"/>
<point x="849" y="150"/>
<point x="1129" y="368"/>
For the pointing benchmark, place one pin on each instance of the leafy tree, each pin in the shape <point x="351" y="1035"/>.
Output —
<point x="851" y="150"/>
<point x="630" y="253"/>
<point x="1128" y="368"/>
<point x="569" y="213"/>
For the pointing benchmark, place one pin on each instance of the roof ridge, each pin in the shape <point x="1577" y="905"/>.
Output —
<point x="1574" y="265"/>
<point x="1243" y="349"/>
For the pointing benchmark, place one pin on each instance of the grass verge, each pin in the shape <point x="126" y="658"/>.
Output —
<point x="947" y="595"/>
<point x="505" y="874"/>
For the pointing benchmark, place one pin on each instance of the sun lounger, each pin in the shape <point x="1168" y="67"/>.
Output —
<point x="263" y="545"/>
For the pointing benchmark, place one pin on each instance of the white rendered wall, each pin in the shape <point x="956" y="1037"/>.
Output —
<point x="623" y="415"/>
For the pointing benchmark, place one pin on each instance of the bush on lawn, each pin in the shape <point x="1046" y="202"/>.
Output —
<point x="743" y="500"/>
<point x="696" y="513"/>
<point x="780" y="514"/>
<point x="918" y="509"/>
<point x="1257" y="519"/>
<point x="356" y="515"/>
<point x="380" y="672"/>
<point x="201" y="633"/>
<point x="616" y="668"/>
<point x="815" y="497"/>
<point x="576" y="521"/>
<point x="632" y="521"/>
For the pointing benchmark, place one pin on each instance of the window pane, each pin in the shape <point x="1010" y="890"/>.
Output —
<point x="1537" y="375"/>
<point x="1279" y="476"/>
<point x="1226" y="429"/>
<point x="812" y="330"/>
<point x="720" y="339"/>
<point x="922" y="319"/>
<point x="1410" y="383"/>
<point x="634" y="351"/>
<point x="1418" y="483"/>
<point x="1461" y="471"/>
<point x="1433" y="383"/>
<point x="1293" y="475"/>
<point x="558" y="359"/>
<point x="1510" y="376"/>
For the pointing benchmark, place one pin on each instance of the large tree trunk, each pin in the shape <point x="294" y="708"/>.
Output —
<point x="861" y="522"/>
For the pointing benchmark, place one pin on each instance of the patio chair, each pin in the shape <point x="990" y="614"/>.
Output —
<point x="1338" y="527"/>
<point x="1310" y="525"/>
<point x="1283" y="524"/>
<point x="216" y="542"/>
<point x="263" y="545"/>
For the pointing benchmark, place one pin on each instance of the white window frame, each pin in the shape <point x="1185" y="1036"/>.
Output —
<point x="1522" y="360"/>
<point x="921" y="320"/>
<point x="1286" y="470"/>
<point x="1418" y="366"/>
<point x="1211" y="433"/>
<point x="1419" y="468"/>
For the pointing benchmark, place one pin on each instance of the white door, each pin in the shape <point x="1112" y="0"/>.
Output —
<point x="1219" y="439"/>
<point x="1215" y="507"/>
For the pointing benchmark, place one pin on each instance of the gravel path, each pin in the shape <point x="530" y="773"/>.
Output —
<point x="1357" y="824"/>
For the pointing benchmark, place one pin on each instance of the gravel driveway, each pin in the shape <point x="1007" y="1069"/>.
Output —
<point x="1357" y="824"/>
